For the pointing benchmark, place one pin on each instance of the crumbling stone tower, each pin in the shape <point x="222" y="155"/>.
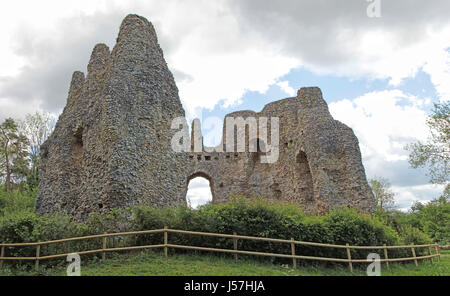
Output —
<point x="111" y="147"/>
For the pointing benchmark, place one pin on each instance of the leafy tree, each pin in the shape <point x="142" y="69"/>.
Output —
<point x="432" y="218"/>
<point x="37" y="128"/>
<point x="417" y="207"/>
<point x="435" y="219"/>
<point x="13" y="152"/>
<point x="384" y="197"/>
<point x="435" y="153"/>
<point x="399" y="220"/>
<point x="446" y="194"/>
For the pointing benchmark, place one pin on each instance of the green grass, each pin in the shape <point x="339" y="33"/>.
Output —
<point x="155" y="264"/>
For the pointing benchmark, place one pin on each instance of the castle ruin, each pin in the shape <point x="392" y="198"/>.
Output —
<point x="111" y="147"/>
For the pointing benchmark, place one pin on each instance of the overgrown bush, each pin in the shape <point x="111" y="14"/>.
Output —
<point x="17" y="201"/>
<point x="432" y="218"/>
<point x="25" y="226"/>
<point x="435" y="220"/>
<point x="414" y="236"/>
<point x="245" y="217"/>
<point x="260" y="218"/>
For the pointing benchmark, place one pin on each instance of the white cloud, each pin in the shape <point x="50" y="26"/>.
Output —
<point x="17" y="110"/>
<point x="223" y="60"/>
<point x="199" y="192"/>
<point x="234" y="74"/>
<point x="36" y="16"/>
<point x="220" y="50"/>
<point x="212" y="58"/>
<point x="284" y="85"/>
<point x="337" y="37"/>
<point x="406" y="196"/>
<point x="438" y="67"/>
<point x="385" y="122"/>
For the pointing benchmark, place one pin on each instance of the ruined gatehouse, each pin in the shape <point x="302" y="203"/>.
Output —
<point x="111" y="147"/>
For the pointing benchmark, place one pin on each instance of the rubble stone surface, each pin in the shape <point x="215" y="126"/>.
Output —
<point x="111" y="147"/>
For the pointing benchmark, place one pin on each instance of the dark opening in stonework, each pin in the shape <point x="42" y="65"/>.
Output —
<point x="260" y="148"/>
<point x="100" y="206"/>
<point x="44" y="153"/>
<point x="304" y="184"/>
<point x="78" y="147"/>
<point x="301" y="157"/>
<point x="276" y="191"/>
<point x="207" y="157"/>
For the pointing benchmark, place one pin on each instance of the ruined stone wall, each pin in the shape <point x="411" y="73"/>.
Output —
<point x="319" y="164"/>
<point x="111" y="147"/>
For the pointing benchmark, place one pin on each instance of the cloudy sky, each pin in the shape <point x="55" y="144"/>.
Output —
<point x="379" y="75"/>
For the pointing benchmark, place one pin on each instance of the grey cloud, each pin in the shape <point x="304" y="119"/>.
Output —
<point x="181" y="76"/>
<point x="399" y="173"/>
<point x="311" y="29"/>
<point x="308" y="30"/>
<point x="51" y="60"/>
<point x="422" y="195"/>
<point x="305" y="29"/>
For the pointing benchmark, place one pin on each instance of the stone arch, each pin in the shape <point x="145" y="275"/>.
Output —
<point x="202" y="175"/>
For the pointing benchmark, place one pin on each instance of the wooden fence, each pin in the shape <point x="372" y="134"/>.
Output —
<point x="166" y="245"/>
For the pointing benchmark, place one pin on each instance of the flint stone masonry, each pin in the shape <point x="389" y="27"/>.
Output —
<point x="111" y="147"/>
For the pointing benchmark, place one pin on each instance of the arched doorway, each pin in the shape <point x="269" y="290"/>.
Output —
<point x="199" y="190"/>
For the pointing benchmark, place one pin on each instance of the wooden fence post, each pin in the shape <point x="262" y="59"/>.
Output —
<point x="414" y="254"/>
<point x="235" y="247"/>
<point x="294" y="261"/>
<point x="349" y="256"/>
<point x="104" y="247"/>
<point x="38" y="250"/>
<point x="165" y="241"/>
<point x="386" y="256"/>
<point x="430" y="253"/>
<point x="436" y="247"/>
<point x="2" y="254"/>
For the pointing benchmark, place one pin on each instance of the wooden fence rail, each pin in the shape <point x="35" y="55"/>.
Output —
<point x="37" y="258"/>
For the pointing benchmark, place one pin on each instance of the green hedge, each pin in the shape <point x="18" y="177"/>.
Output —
<point x="245" y="217"/>
<point x="17" y="201"/>
<point x="258" y="218"/>
<point x="23" y="227"/>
